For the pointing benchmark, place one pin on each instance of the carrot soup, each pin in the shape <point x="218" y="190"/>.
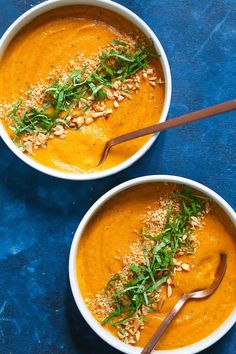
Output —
<point x="74" y="78"/>
<point x="143" y="249"/>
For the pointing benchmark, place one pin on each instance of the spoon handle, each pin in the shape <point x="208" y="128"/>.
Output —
<point x="165" y="324"/>
<point x="171" y="123"/>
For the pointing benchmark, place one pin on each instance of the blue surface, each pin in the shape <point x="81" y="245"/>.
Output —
<point x="39" y="214"/>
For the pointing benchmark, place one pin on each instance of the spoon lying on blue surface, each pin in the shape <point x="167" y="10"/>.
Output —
<point x="171" y="123"/>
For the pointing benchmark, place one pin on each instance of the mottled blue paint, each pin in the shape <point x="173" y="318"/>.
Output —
<point x="39" y="214"/>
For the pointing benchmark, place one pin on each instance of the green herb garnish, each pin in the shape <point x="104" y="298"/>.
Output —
<point x="63" y="97"/>
<point x="159" y="265"/>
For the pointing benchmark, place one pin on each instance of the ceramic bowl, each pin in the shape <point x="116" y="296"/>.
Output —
<point x="138" y="22"/>
<point x="103" y="333"/>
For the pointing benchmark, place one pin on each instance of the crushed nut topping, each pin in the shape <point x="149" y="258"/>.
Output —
<point x="79" y="94"/>
<point x="147" y="277"/>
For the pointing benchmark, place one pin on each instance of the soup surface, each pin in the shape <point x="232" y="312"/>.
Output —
<point x="52" y="47"/>
<point x="114" y="256"/>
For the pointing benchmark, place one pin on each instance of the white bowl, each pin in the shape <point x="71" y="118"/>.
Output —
<point x="123" y="11"/>
<point x="103" y="333"/>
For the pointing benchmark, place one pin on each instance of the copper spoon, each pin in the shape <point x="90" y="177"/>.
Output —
<point x="174" y="122"/>
<point x="198" y="294"/>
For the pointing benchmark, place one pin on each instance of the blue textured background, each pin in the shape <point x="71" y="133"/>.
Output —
<point x="39" y="214"/>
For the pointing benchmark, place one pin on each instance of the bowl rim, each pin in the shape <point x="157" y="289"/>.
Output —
<point x="97" y="328"/>
<point x="46" y="6"/>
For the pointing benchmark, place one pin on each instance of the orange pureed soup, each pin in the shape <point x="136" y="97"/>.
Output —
<point x="135" y="242"/>
<point x="64" y="41"/>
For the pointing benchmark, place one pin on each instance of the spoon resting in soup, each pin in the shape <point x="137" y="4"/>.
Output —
<point x="71" y="80"/>
<point x="142" y="250"/>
